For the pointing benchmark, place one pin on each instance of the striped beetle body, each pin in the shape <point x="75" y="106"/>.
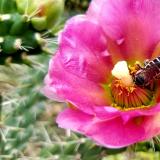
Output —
<point x="149" y="73"/>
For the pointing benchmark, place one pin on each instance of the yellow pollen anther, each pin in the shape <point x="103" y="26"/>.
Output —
<point x="125" y="94"/>
<point x="121" y="72"/>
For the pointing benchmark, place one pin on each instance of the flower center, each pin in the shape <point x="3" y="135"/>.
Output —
<point x="126" y="95"/>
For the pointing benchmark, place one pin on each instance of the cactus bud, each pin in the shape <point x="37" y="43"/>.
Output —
<point x="43" y="14"/>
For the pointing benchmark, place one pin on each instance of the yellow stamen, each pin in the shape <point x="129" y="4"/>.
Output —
<point x="125" y="93"/>
<point x="121" y="72"/>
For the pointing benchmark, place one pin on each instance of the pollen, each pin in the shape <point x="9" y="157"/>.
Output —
<point x="121" y="72"/>
<point x="126" y="95"/>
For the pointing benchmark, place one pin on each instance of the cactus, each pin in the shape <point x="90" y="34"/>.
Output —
<point x="22" y="106"/>
<point x="23" y="24"/>
<point x="77" y="5"/>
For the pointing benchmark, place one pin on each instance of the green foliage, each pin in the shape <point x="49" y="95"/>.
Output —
<point x="77" y="5"/>
<point x="7" y="6"/>
<point x="20" y="116"/>
<point x="25" y="26"/>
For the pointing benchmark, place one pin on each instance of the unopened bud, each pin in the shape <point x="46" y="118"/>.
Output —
<point x="43" y="14"/>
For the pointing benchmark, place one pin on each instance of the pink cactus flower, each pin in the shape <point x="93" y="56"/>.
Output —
<point x="93" y="72"/>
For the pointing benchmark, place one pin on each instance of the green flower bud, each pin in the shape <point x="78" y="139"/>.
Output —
<point x="43" y="14"/>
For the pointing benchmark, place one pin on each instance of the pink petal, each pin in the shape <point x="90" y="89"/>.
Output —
<point x="49" y="90"/>
<point x="83" y="50"/>
<point x="113" y="133"/>
<point x="95" y="9"/>
<point x="106" y="112"/>
<point x="109" y="112"/>
<point x="68" y="119"/>
<point x="133" y="23"/>
<point x="143" y="112"/>
<point x="82" y="93"/>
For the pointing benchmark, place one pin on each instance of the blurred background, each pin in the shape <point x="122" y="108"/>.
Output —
<point x="28" y="39"/>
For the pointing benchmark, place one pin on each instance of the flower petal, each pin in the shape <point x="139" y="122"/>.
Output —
<point x="68" y="119"/>
<point x="115" y="134"/>
<point x="82" y="93"/>
<point x="112" y="133"/>
<point x="50" y="91"/>
<point x="132" y="22"/>
<point x="83" y="49"/>
<point x="106" y="112"/>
